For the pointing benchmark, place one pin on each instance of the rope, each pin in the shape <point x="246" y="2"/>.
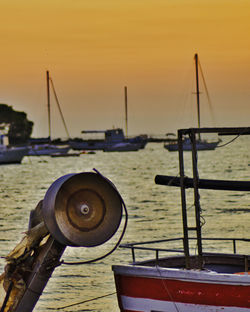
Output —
<point x="229" y="142"/>
<point x="166" y="288"/>
<point x="206" y="89"/>
<point x="59" y="108"/>
<point x="85" y="301"/>
<point x="235" y="138"/>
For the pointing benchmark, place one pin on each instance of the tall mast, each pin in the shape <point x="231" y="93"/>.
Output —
<point x="197" y="90"/>
<point x="48" y="99"/>
<point x="126" y="110"/>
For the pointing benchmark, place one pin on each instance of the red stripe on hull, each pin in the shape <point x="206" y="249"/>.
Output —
<point x="183" y="291"/>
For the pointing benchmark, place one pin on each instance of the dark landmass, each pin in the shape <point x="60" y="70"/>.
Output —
<point x="16" y="124"/>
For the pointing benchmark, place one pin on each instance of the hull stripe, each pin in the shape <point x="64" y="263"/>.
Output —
<point x="149" y="305"/>
<point x="183" y="292"/>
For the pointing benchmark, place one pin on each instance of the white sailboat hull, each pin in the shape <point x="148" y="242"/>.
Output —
<point x="13" y="155"/>
<point x="187" y="146"/>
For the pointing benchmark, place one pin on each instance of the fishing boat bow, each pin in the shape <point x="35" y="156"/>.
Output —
<point x="175" y="280"/>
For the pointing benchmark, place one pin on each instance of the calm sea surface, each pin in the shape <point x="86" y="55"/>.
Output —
<point x="154" y="211"/>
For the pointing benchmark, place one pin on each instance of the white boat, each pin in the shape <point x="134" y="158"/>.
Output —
<point x="11" y="155"/>
<point x="201" y="144"/>
<point x="186" y="279"/>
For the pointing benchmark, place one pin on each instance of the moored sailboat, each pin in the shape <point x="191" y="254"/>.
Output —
<point x="201" y="144"/>
<point x="112" y="140"/>
<point x="11" y="155"/>
<point x="47" y="149"/>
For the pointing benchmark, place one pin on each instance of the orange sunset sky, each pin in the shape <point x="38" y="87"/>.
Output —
<point x="94" y="48"/>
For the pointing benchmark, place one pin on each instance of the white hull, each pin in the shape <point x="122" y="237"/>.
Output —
<point x="148" y="305"/>
<point x="187" y="146"/>
<point x="13" y="155"/>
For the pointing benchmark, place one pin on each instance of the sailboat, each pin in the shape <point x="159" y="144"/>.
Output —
<point x="48" y="149"/>
<point x="201" y="144"/>
<point x="114" y="140"/>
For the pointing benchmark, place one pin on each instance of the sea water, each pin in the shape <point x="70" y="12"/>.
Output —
<point x="154" y="212"/>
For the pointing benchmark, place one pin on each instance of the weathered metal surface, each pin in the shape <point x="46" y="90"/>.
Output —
<point x="82" y="209"/>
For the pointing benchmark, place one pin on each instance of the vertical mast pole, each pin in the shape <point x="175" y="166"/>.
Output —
<point x="183" y="200"/>
<point x="197" y="90"/>
<point x="196" y="197"/>
<point x="126" y="110"/>
<point x="48" y="101"/>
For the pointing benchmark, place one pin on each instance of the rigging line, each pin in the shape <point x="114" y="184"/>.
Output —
<point x="229" y="142"/>
<point x="206" y="89"/>
<point x="85" y="301"/>
<point x="235" y="138"/>
<point x="166" y="288"/>
<point x="59" y="108"/>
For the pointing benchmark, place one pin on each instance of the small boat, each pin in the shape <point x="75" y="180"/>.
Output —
<point x="47" y="150"/>
<point x="123" y="147"/>
<point x="185" y="279"/>
<point x="114" y="139"/>
<point x="11" y="155"/>
<point x="201" y="144"/>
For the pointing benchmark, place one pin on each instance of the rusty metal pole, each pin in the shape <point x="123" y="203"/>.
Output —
<point x="183" y="200"/>
<point x="44" y="265"/>
<point x="126" y="110"/>
<point x="197" y="92"/>
<point x="196" y="197"/>
<point x="48" y="102"/>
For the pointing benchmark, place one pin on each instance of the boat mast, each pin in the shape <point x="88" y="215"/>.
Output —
<point x="48" y="100"/>
<point x="197" y="90"/>
<point x="126" y="110"/>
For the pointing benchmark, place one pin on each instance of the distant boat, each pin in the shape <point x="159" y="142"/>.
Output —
<point x="123" y="147"/>
<point x="47" y="150"/>
<point x="11" y="155"/>
<point x="201" y="144"/>
<point x="114" y="139"/>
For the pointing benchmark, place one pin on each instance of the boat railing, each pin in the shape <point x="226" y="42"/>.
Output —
<point x="196" y="183"/>
<point x="144" y="246"/>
